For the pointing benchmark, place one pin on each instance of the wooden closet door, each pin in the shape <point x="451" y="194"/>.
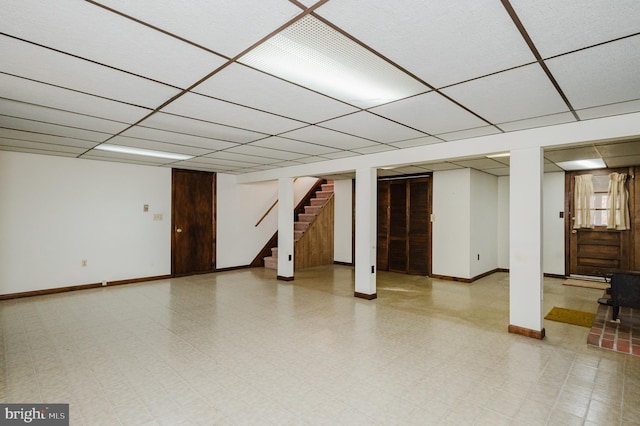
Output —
<point x="382" y="245"/>
<point x="418" y="230"/>
<point x="193" y="237"/>
<point x="398" y="226"/>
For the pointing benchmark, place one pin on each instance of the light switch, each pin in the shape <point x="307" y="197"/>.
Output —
<point x="145" y="208"/>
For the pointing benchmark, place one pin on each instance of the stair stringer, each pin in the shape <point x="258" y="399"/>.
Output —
<point x="315" y="247"/>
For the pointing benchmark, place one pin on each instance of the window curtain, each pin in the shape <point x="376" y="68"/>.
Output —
<point x="583" y="194"/>
<point x="618" y="204"/>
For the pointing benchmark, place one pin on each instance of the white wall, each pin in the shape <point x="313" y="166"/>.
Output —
<point x="343" y="221"/>
<point x="503" y="222"/>
<point x="56" y="212"/>
<point x="552" y="225"/>
<point x="484" y="223"/>
<point x="451" y="223"/>
<point x="239" y="207"/>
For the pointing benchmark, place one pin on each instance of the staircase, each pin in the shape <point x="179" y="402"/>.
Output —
<point x="304" y="220"/>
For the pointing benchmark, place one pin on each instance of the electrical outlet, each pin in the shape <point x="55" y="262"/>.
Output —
<point x="84" y="262"/>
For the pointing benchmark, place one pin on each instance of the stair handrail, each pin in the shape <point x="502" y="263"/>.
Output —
<point x="270" y="208"/>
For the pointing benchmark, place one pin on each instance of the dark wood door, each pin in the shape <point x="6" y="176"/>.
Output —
<point x="193" y="238"/>
<point x="404" y="238"/>
<point x="398" y="226"/>
<point x="382" y="245"/>
<point x="418" y="231"/>
<point x="598" y="251"/>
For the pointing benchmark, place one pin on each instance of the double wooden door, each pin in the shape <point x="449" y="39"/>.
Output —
<point x="193" y="222"/>
<point x="404" y="228"/>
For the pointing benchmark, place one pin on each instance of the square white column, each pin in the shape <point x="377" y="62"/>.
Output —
<point x="525" y="252"/>
<point x="366" y="238"/>
<point x="285" y="229"/>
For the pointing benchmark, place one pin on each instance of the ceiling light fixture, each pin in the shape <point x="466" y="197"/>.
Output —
<point x="139" y="151"/>
<point x="501" y="155"/>
<point x="316" y="56"/>
<point x="594" y="163"/>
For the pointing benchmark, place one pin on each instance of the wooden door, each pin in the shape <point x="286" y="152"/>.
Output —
<point x="193" y="237"/>
<point x="598" y="251"/>
<point x="398" y="226"/>
<point x="418" y="232"/>
<point x="382" y="245"/>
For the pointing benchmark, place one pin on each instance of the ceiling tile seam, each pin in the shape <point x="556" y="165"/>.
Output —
<point x="259" y="156"/>
<point x="76" y="91"/>
<point x="469" y="110"/>
<point x="486" y="75"/>
<point x="609" y="104"/>
<point x="62" y="110"/>
<point x="205" y="121"/>
<point x="345" y="133"/>
<point x="525" y="35"/>
<point x="62" y="52"/>
<point x="401" y="124"/>
<point x="181" y="133"/>
<point x="39" y="149"/>
<point x="592" y="46"/>
<point x="56" y="124"/>
<point x="153" y="27"/>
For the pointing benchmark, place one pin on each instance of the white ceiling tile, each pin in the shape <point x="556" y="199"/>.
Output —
<point x="65" y="149"/>
<point x="107" y="39"/>
<point x="630" y="160"/>
<point x="619" y="149"/>
<point x="550" y="168"/>
<point x="213" y="110"/>
<point x="341" y="154"/>
<point x="47" y="66"/>
<point x="609" y="110"/>
<point x="547" y="120"/>
<point x="37" y="151"/>
<point x="242" y="158"/>
<point x="276" y="142"/>
<point x="311" y="159"/>
<point x="370" y="126"/>
<point x="327" y="137"/>
<point x="511" y="95"/>
<point x="194" y="165"/>
<point x="54" y="116"/>
<point x="601" y="75"/>
<point x="245" y="86"/>
<point x="178" y="124"/>
<point x="571" y="154"/>
<point x="264" y="152"/>
<point x="480" y="36"/>
<point x="55" y="97"/>
<point x="380" y="147"/>
<point x="51" y="129"/>
<point x="228" y="27"/>
<point x="503" y="171"/>
<point x="410" y="143"/>
<point x="177" y="138"/>
<point x="431" y="113"/>
<point x="470" y="133"/>
<point x="437" y="167"/>
<point x="44" y="138"/>
<point x="158" y="146"/>
<point x="562" y="26"/>
<point x="479" y="163"/>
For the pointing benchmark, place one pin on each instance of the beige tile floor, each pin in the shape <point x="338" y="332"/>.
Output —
<point x="240" y="347"/>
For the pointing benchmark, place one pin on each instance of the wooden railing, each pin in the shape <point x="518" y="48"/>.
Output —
<point x="270" y="208"/>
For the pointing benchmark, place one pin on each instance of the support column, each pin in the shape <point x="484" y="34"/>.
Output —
<point x="285" y="229"/>
<point x="366" y="214"/>
<point x="525" y="242"/>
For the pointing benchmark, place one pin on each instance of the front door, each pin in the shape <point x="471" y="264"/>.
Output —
<point x="598" y="251"/>
<point x="193" y="238"/>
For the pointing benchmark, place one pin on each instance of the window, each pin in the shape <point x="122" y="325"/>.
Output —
<point x="601" y="201"/>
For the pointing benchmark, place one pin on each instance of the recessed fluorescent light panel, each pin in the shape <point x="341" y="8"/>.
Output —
<point x="595" y="163"/>
<point x="501" y="155"/>
<point x="139" y="151"/>
<point x="316" y="56"/>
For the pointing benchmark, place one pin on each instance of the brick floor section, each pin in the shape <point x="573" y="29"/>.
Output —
<point x="623" y="337"/>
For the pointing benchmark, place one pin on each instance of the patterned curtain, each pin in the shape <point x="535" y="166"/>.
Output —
<point x="583" y="195"/>
<point x="618" y="204"/>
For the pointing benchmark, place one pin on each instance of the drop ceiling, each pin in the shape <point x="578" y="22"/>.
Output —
<point x="182" y="77"/>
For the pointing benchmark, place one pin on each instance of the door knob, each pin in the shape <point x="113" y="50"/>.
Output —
<point x="574" y="232"/>
<point x="178" y="230"/>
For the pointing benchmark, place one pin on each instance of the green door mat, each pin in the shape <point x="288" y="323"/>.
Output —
<point x="584" y="319"/>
